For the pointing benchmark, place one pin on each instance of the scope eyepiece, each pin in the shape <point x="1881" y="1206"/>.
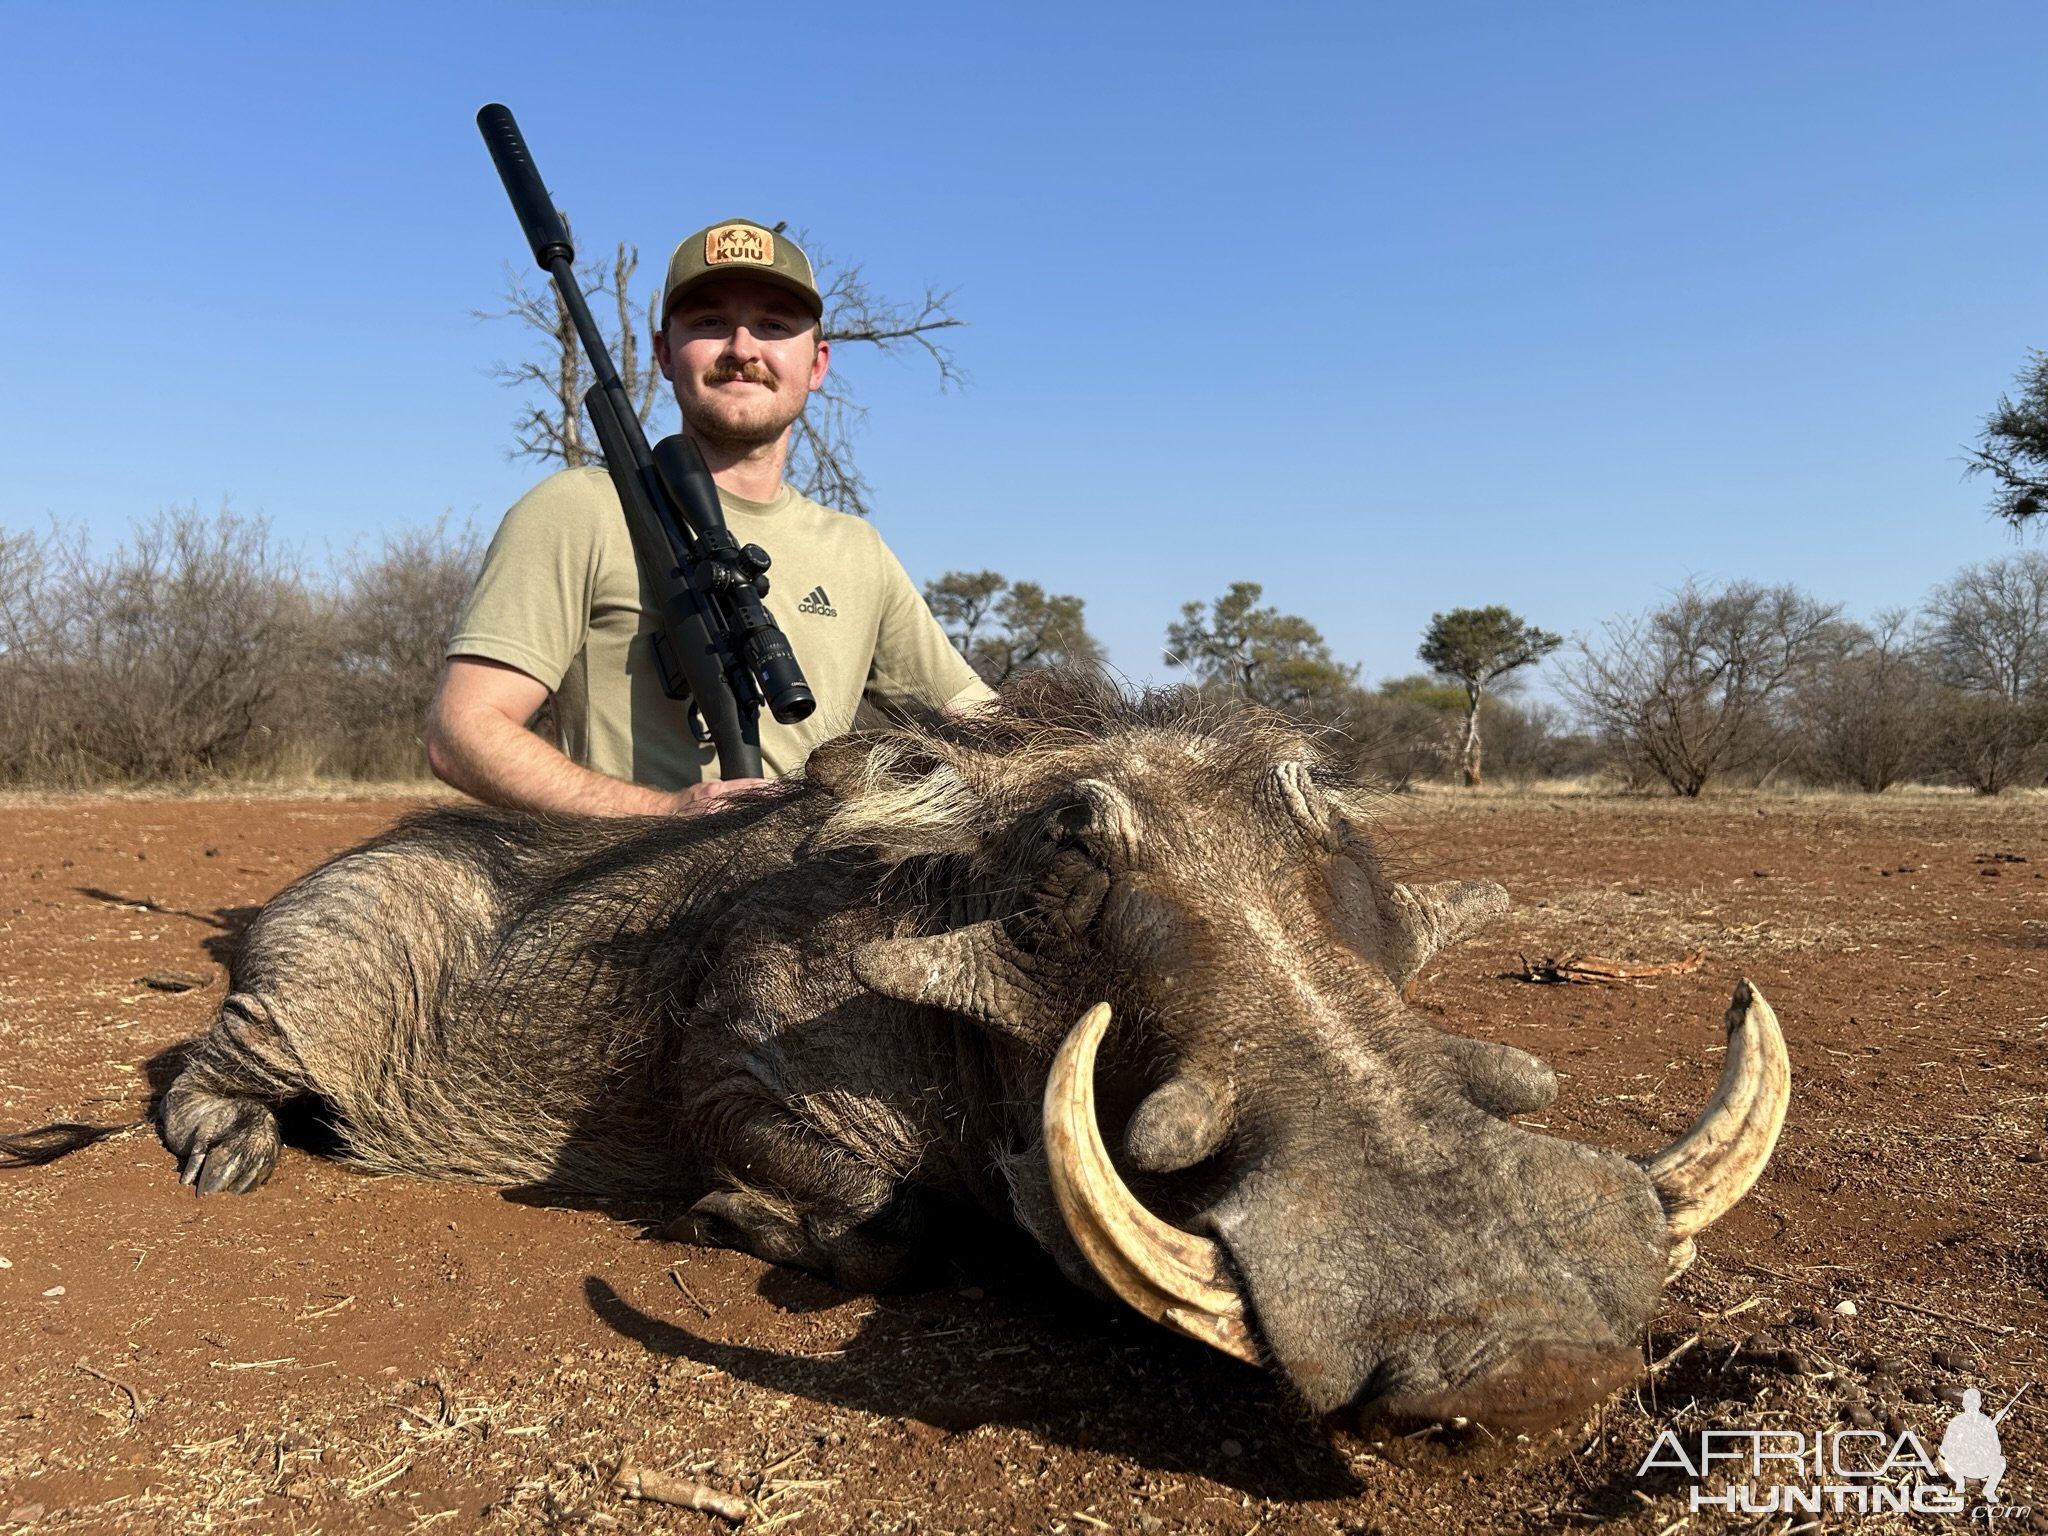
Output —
<point x="779" y="678"/>
<point x="794" y="703"/>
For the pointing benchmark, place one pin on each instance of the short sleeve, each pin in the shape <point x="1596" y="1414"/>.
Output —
<point x="915" y="664"/>
<point x="531" y="605"/>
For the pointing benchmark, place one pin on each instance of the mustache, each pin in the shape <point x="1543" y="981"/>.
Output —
<point x="747" y="373"/>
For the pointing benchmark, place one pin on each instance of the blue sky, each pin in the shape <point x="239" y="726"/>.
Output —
<point x="1391" y="308"/>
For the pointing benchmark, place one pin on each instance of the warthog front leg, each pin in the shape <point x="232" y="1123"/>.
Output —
<point x="219" y="1118"/>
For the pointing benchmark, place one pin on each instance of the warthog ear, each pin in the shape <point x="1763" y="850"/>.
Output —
<point x="1422" y="919"/>
<point x="896" y="796"/>
<point x="972" y="971"/>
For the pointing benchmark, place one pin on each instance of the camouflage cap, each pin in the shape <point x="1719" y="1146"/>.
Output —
<point x="739" y="248"/>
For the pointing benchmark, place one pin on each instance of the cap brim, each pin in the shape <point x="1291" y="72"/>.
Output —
<point x="811" y="301"/>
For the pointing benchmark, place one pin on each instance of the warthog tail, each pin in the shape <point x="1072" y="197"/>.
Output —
<point x="47" y="1143"/>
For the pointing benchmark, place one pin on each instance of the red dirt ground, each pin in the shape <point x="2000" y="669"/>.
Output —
<point x="340" y="1353"/>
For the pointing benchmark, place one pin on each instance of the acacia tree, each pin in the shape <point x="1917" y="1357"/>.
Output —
<point x="1687" y="691"/>
<point x="1272" y="658"/>
<point x="2013" y="447"/>
<point x="1475" y="648"/>
<point x="552" y="428"/>
<point x="1004" y="628"/>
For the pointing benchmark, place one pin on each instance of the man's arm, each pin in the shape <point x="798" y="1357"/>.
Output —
<point x="477" y="740"/>
<point x="975" y="699"/>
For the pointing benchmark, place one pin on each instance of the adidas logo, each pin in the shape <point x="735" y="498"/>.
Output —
<point x="819" y="604"/>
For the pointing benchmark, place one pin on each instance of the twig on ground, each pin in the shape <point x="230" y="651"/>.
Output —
<point x="136" y="1407"/>
<point x="676" y="1275"/>
<point x="659" y="1488"/>
<point x="1673" y="1355"/>
<point x="1939" y="1316"/>
<point x="370" y="1482"/>
<point x="1596" y="969"/>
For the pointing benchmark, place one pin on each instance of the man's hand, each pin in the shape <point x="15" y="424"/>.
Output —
<point x="977" y="698"/>
<point x="713" y="795"/>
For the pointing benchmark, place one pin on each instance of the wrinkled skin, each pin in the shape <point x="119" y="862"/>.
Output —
<point x="814" y="1017"/>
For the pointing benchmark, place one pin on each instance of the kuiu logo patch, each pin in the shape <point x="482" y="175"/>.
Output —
<point x="739" y="242"/>
<point x="817" y="602"/>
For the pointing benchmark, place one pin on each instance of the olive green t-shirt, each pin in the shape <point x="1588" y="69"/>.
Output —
<point x="562" y="599"/>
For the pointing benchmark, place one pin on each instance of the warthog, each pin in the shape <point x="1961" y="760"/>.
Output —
<point x="821" y="1018"/>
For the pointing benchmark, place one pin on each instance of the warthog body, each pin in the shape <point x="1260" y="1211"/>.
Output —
<point x="816" y="1018"/>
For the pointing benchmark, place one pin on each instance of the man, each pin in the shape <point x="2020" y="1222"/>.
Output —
<point x="559" y="606"/>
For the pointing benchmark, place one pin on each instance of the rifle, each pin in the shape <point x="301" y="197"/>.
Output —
<point x="2008" y="1406"/>
<point x="716" y="646"/>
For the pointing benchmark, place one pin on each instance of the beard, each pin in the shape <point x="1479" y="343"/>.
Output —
<point x="754" y="421"/>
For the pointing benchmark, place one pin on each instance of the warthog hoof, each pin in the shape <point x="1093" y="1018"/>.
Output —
<point x="224" y="1144"/>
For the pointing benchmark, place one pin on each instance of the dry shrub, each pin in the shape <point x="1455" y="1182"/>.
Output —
<point x="1527" y="740"/>
<point x="1985" y="742"/>
<point x="386" y="630"/>
<point x="1862" y="715"/>
<point x="1387" y="740"/>
<point x="31" y="702"/>
<point x="164" y="662"/>
<point x="198" y="649"/>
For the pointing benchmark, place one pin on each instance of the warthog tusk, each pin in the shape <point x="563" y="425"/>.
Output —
<point x="1706" y="1171"/>
<point x="1171" y="1276"/>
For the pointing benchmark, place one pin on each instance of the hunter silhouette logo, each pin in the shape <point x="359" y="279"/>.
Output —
<point x="739" y="242"/>
<point x="1970" y="1448"/>
<point x="817" y="602"/>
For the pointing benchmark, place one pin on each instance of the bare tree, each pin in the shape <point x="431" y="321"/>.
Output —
<point x="552" y="427"/>
<point x="1687" y="690"/>
<point x="1985" y="742"/>
<point x="822" y="462"/>
<point x="1004" y="628"/>
<point x="1986" y="641"/>
<point x="1987" y="627"/>
<point x="34" y="701"/>
<point x="1864" y="710"/>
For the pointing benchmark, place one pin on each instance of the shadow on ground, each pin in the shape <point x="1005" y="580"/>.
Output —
<point x="954" y="1364"/>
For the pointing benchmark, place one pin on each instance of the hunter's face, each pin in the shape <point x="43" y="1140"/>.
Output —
<point x="743" y="357"/>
